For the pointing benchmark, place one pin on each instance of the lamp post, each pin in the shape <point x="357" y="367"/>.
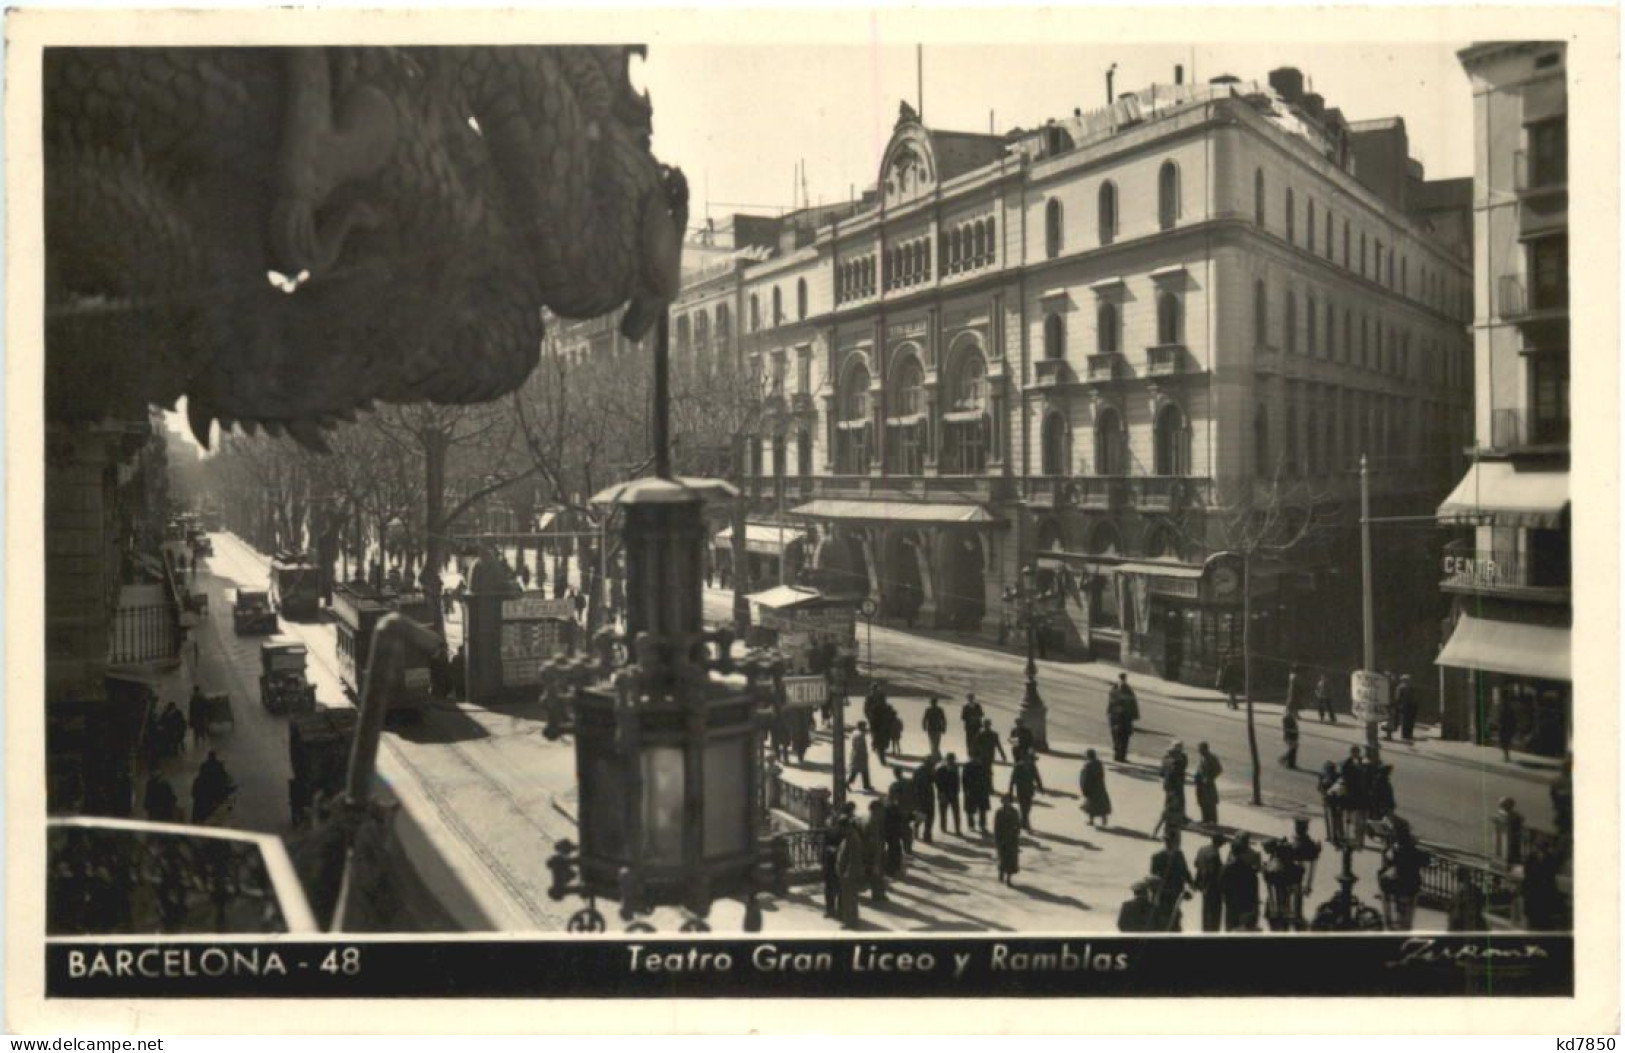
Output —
<point x="1033" y="713"/>
<point x="668" y="758"/>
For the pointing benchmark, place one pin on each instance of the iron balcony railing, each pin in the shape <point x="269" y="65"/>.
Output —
<point x="1522" y="428"/>
<point x="1466" y="566"/>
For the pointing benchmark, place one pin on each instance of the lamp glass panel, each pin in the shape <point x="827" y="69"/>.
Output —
<point x="663" y="805"/>
<point x="728" y="796"/>
<point x="603" y="806"/>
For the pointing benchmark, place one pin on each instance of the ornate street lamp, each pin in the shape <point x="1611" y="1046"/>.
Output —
<point x="1033" y="713"/>
<point x="668" y="757"/>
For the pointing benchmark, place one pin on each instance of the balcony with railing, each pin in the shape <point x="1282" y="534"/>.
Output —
<point x="1531" y="574"/>
<point x="1103" y="492"/>
<point x="1540" y="297"/>
<point x="1049" y="372"/>
<point x="1527" y="429"/>
<point x="1167" y="360"/>
<point x="1104" y="368"/>
<point x="1170" y="493"/>
<point x="974" y="489"/>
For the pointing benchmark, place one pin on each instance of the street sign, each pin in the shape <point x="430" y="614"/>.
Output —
<point x="868" y="608"/>
<point x="805" y="692"/>
<point x="1369" y="694"/>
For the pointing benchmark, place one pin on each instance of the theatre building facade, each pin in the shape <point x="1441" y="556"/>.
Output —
<point x="1091" y="348"/>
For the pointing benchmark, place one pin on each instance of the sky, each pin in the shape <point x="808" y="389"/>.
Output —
<point x="737" y="119"/>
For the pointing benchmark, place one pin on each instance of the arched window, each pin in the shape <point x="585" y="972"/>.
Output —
<point x="778" y="307"/>
<point x="724" y="327"/>
<point x="965" y="426"/>
<point x="1173" y="442"/>
<point x="1054" y="444"/>
<point x="1106" y="328"/>
<point x="905" y="424"/>
<point x="1291" y="325"/>
<point x="1054" y="336"/>
<point x="1108" y="212"/>
<point x="956" y="253"/>
<point x="801" y="298"/>
<point x="852" y="430"/>
<point x="1163" y="543"/>
<point x="1258" y="196"/>
<point x="1291" y="220"/>
<point x="1111" y="443"/>
<point x="755" y="313"/>
<point x="1170" y="318"/>
<point x="1311" y="327"/>
<point x="781" y="456"/>
<point x="1103" y="540"/>
<point x="1052" y="228"/>
<point x="992" y="238"/>
<point x="981" y="242"/>
<point x="1309" y="224"/>
<point x="1168" y="195"/>
<point x="907" y="388"/>
<point x="1261" y="442"/>
<point x="1261" y="314"/>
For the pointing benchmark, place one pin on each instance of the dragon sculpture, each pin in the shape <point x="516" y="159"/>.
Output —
<point x="287" y="235"/>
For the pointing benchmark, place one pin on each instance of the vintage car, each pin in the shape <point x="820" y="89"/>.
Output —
<point x="251" y="613"/>
<point x="283" y="687"/>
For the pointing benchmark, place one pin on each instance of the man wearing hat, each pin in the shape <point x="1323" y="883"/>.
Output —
<point x="1138" y="913"/>
<point x="1122" y="710"/>
<point x="1238" y="885"/>
<point x="1405" y="709"/>
<point x="858" y="761"/>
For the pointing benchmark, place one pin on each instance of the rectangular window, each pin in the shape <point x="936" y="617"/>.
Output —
<point x="1549" y="396"/>
<point x="1548" y="153"/>
<point x="804" y="371"/>
<point x="1291" y="322"/>
<point x="1310" y="321"/>
<point x="1549" y="273"/>
<point x="1309" y="224"/>
<point x="1345" y="244"/>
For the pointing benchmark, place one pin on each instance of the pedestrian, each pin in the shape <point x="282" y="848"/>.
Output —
<point x="579" y="600"/>
<point x="1238" y="885"/>
<point x="897" y="834"/>
<point x="1330" y="785"/>
<point x="1323" y="700"/>
<point x="874" y="849"/>
<point x="831" y="862"/>
<point x="1289" y="735"/>
<point x="1466" y="912"/>
<point x="1171" y="879"/>
<point x="988" y="746"/>
<point x="1097" y="803"/>
<point x="801" y="735"/>
<point x="197" y="715"/>
<point x="1121" y="710"/>
<point x="925" y="799"/>
<point x="1509" y="833"/>
<point x="849" y="863"/>
<point x="1174" y="764"/>
<point x="948" y="783"/>
<point x="1542" y="898"/>
<point x="1231" y="679"/>
<point x="1138" y="912"/>
<point x="1400" y="877"/>
<point x="159" y="799"/>
<point x="977" y="781"/>
<point x="211" y="788"/>
<point x="1306" y="854"/>
<point x="1352" y="776"/>
<point x="1022" y="740"/>
<point x="858" y="758"/>
<point x="1024" y="783"/>
<point x="1208" y="770"/>
<point x="1405" y="706"/>
<point x="970" y="715"/>
<point x="1209" y="864"/>
<point x="901" y="792"/>
<point x="935" y="723"/>
<point x="1506" y="721"/>
<point x="172" y="731"/>
<point x="1007" y="840"/>
<point x="894" y="728"/>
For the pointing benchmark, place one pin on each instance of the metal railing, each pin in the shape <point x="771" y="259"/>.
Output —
<point x="144" y="634"/>
<point x="809" y="805"/>
<point x="1165" y="359"/>
<point x="798" y="857"/>
<point x="1517" y="428"/>
<point x="1519" y="295"/>
<point x="1470" y="567"/>
<point x="1103" y="491"/>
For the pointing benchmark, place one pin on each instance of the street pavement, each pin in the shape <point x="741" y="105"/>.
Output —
<point x="1448" y="790"/>
<point x="484" y="795"/>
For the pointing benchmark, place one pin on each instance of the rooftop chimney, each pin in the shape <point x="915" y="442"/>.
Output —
<point x="1314" y="104"/>
<point x="1109" y="74"/>
<point x="1179" y="74"/>
<point x="1287" y="82"/>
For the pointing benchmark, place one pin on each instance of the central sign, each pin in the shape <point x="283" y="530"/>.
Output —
<point x="1368" y="693"/>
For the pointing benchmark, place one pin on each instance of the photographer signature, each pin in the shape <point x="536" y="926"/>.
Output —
<point x="1431" y="951"/>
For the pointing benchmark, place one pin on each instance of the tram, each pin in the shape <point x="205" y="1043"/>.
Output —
<point x="357" y="610"/>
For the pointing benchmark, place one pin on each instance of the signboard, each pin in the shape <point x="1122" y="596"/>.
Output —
<point x="822" y="621"/>
<point x="868" y="607"/>
<point x="538" y="606"/>
<point x="805" y="692"/>
<point x="1368" y="693"/>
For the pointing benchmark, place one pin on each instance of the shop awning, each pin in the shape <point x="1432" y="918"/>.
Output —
<point x="1539" y="651"/>
<point x="763" y="539"/>
<point x="785" y="597"/>
<point x="1494" y="493"/>
<point x="879" y="511"/>
<point x="1158" y="568"/>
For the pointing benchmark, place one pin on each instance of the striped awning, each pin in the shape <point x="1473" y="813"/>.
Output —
<point x="1514" y="648"/>
<point x="1496" y="493"/>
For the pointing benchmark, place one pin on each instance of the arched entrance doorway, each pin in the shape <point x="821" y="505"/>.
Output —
<point x="962" y="603"/>
<point x="840" y="568"/>
<point x="901" y="583"/>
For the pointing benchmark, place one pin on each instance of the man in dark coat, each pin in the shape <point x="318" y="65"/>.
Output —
<point x="1506" y="721"/>
<point x="833" y="837"/>
<point x="1208" y="770"/>
<point x="210" y="788"/>
<point x="1097" y="803"/>
<point x="988" y="745"/>
<point x="1400" y="877"/>
<point x="1238" y="885"/>
<point x="1138" y="913"/>
<point x="1007" y="840"/>
<point x="1175" y="764"/>
<point x="159" y="800"/>
<point x="851" y="870"/>
<point x="970" y="715"/>
<point x="925" y="799"/>
<point x="197" y="715"/>
<point x="978" y="784"/>
<point x="1289" y="735"/>
<point x="1296" y="689"/>
<point x="1121" y="708"/>
<point x="1171" y="876"/>
<point x="1209" y="865"/>
<point x="172" y="730"/>
<point x="857" y="760"/>
<point x="1323" y="701"/>
<point x="874" y="849"/>
<point x="1025" y="782"/>
<point x="1231" y="680"/>
<point x="1021" y="740"/>
<point x="948" y="782"/>
<point x="935" y="723"/>
<point x="897" y="834"/>
<point x="1405" y="706"/>
<point x="901" y="793"/>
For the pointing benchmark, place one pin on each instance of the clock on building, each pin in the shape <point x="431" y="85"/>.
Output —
<point x="1226" y="581"/>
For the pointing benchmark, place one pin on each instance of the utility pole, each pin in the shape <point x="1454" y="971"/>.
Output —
<point x="1369" y="623"/>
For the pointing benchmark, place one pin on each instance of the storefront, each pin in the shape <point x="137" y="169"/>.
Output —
<point x="1491" y="669"/>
